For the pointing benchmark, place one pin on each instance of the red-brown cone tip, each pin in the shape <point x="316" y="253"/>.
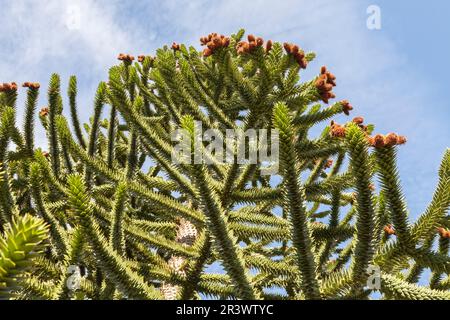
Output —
<point x="389" y="229"/>
<point x="31" y="85"/>
<point x="125" y="57"/>
<point x="358" y="120"/>
<point x="213" y="42"/>
<point x="444" y="233"/>
<point x="337" y="130"/>
<point x="268" y="45"/>
<point x="389" y="140"/>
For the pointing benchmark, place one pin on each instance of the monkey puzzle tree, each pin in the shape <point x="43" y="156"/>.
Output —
<point x="139" y="225"/>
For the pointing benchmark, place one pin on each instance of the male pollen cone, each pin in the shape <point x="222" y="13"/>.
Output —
<point x="43" y="112"/>
<point x="337" y="130"/>
<point x="389" y="229"/>
<point x="268" y="45"/>
<point x="213" y="42"/>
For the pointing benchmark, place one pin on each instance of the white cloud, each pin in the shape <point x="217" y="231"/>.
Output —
<point x="35" y="36"/>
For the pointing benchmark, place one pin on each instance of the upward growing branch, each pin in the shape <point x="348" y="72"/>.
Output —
<point x="294" y="201"/>
<point x="365" y="231"/>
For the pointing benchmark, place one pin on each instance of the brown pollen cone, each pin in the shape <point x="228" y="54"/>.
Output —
<point x="5" y="87"/>
<point x="125" y="57"/>
<point x="259" y="41"/>
<point x="207" y="52"/>
<point x="297" y="53"/>
<point x="358" y="120"/>
<point x="337" y="130"/>
<point x="378" y="141"/>
<point x="324" y="84"/>
<point x="390" y="139"/>
<point x="346" y="107"/>
<point x="225" y="42"/>
<point x="401" y="140"/>
<point x="213" y="42"/>
<point x="302" y="62"/>
<point x="247" y="47"/>
<point x="443" y="233"/>
<point x="31" y="85"/>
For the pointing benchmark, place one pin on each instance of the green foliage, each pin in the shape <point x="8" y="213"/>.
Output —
<point x="294" y="202"/>
<point x="111" y="203"/>
<point x="20" y="243"/>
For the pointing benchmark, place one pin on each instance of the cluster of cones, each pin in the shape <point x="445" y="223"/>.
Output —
<point x="125" y="57"/>
<point x="325" y="83"/>
<point x="389" y="229"/>
<point x="253" y="43"/>
<point x="213" y="41"/>
<point x="389" y="140"/>
<point x="141" y="58"/>
<point x="299" y="54"/>
<point x="43" y="112"/>
<point x="329" y="163"/>
<point x="318" y="223"/>
<point x="444" y="233"/>
<point x="31" y="85"/>
<point x="5" y="87"/>
<point x="346" y="108"/>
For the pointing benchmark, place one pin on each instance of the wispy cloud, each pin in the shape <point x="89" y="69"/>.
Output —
<point x="37" y="37"/>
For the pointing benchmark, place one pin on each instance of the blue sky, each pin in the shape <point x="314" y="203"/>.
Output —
<point x="396" y="77"/>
